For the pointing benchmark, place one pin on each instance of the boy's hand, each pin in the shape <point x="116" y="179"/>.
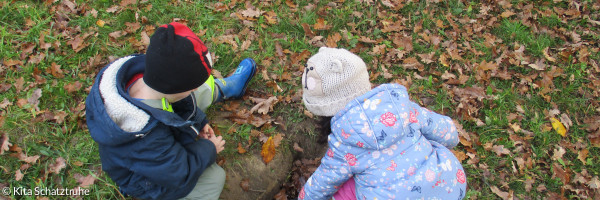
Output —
<point x="207" y="131"/>
<point x="218" y="141"/>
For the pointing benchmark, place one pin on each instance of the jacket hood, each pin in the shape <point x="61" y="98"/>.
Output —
<point x="376" y="120"/>
<point x="114" y="117"/>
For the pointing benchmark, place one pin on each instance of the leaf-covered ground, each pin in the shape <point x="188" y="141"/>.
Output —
<point x="521" y="77"/>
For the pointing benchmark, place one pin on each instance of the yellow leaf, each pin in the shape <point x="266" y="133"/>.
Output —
<point x="100" y="23"/>
<point x="268" y="150"/>
<point x="558" y="127"/>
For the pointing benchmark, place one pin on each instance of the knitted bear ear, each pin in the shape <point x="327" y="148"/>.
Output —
<point x="337" y="66"/>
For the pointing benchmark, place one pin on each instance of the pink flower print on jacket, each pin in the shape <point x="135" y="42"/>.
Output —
<point x="461" y="177"/>
<point x="393" y="167"/>
<point x="351" y="159"/>
<point x="411" y="170"/>
<point x="330" y="153"/>
<point x="360" y="144"/>
<point x="388" y="119"/>
<point x="344" y="134"/>
<point x="430" y="175"/>
<point x="413" y="116"/>
<point x="301" y="195"/>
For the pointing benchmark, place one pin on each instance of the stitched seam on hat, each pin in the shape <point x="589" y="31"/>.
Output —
<point x="127" y="116"/>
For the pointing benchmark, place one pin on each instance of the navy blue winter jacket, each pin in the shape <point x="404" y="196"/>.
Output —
<point x="149" y="153"/>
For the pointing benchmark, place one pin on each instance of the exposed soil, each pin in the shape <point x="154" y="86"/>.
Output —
<point x="287" y="171"/>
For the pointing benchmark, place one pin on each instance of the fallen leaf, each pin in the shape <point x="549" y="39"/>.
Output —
<point x="252" y="13"/>
<point x="558" y="153"/>
<point x="73" y="87"/>
<point x="55" y="70"/>
<point x="277" y="139"/>
<point x="268" y="151"/>
<point x="19" y="84"/>
<point x="263" y="106"/>
<point x="333" y="39"/>
<point x="501" y="194"/>
<point x="558" y="127"/>
<point x="5" y="103"/>
<point x="561" y="173"/>
<point x="241" y="149"/>
<point x="125" y="3"/>
<point x="18" y="175"/>
<point x="507" y="14"/>
<point x="582" y="155"/>
<point x="100" y="23"/>
<point x="58" y="165"/>
<point x="298" y="148"/>
<point x="271" y="17"/>
<point x="281" y="195"/>
<point x="84" y="181"/>
<point x="28" y="159"/>
<point x="4" y="144"/>
<point x="548" y="57"/>
<point x="500" y="150"/>
<point x="528" y="184"/>
<point x="594" y="183"/>
<point x="34" y="100"/>
<point x="245" y="184"/>
<point x="321" y="24"/>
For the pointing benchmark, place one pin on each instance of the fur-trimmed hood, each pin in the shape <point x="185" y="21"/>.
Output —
<point x="120" y="118"/>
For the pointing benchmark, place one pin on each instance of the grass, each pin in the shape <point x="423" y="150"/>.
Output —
<point x="23" y="22"/>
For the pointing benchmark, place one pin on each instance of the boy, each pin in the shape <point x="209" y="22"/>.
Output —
<point x="146" y="112"/>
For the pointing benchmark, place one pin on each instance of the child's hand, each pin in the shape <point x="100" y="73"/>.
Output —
<point x="218" y="141"/>
<point x="207" y="131"/>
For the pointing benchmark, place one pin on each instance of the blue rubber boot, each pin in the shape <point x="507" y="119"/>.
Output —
<point x="234" y="86"/>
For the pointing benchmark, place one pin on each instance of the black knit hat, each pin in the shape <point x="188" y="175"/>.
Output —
<point x="176" y="60"/>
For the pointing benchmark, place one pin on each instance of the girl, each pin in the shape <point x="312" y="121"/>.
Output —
<point x="382" y="145"/>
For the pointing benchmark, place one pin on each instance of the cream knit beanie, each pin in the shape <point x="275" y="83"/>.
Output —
<point x="332" y="78"/>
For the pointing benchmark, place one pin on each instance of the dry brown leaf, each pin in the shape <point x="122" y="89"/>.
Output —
<point x="271" y="17"/>
<point x="55" y="70"/>
<point x="34" y="100"/>
<point x="413" y="63"/>
<point x="245" y="184"/>
<point x="241" y="149"/>
<point x="11" y="62"/>
<point x="277" y="139"/>
<point x="558" y="153"/>
<point x="333" y="39"/>
<point x="252" y="13"/>
<point x="582" y="155"/>
<point x="501" y="194"/>
<point x="321" y="24"/>
<point x="4" y="144"/>
<point x="125" y="3"/>
<point x="18" y="175"/>
<point x="297" y="147"/>
<point x="28" y="159"/>
<point x="507" y="14"/>
<point x="117" y="34"/>
<point x="594" y="183"/>
<point x="281" y="195"/>
<point x="245" y="45"/>
<point x="268" y="151"/>
<point x="548" y="57"/>
<point x="73" y="87"/>
<point x="5" y="103"/>
<point x="263" y="106"/>
<point x="58" y="165"/>
<point x="500" y="150"/>
<point x="84" y="181"/>
<point x="561" y="173"/>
